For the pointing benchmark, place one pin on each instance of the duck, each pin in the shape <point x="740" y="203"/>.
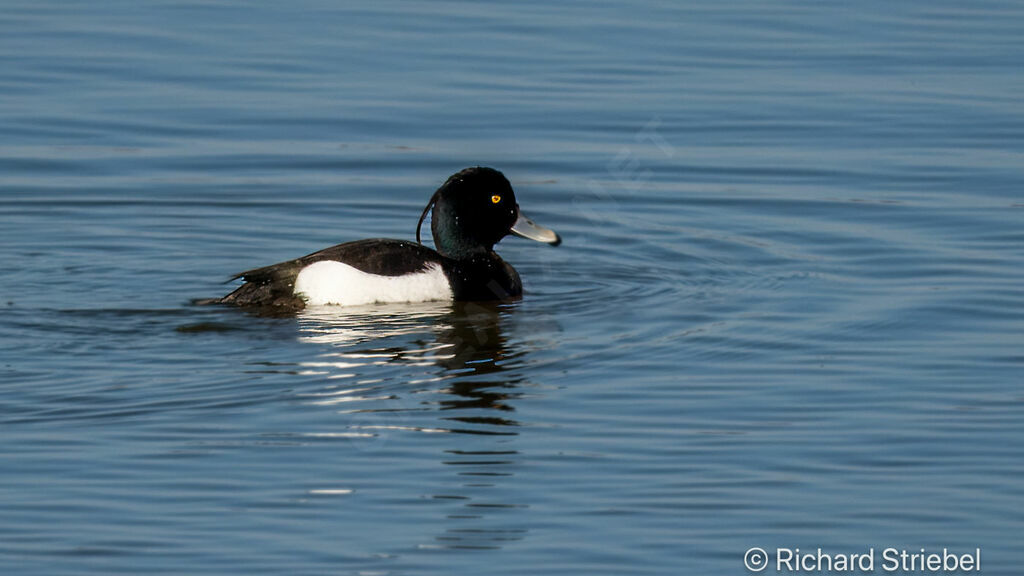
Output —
<point x="470" y="212"/>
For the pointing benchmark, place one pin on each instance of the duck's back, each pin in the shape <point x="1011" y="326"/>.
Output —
<point x="360" y="272"/>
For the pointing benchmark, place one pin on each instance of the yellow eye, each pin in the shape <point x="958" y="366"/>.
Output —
<point x="495" y="199"/>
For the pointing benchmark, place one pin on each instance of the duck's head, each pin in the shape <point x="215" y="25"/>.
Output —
<point x="473" y="210"/>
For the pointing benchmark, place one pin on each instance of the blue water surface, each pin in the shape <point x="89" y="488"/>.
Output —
<point x="788" y="311"/>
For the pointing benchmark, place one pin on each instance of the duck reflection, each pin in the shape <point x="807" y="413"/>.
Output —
<point x="479" y="354"/>
<point x="432" y="368"/>
<point x="465" y="339"/>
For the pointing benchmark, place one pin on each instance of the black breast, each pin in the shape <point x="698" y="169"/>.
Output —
<point x="485" y="277"/>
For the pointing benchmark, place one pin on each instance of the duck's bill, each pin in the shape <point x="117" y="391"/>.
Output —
<point x="525" y="228"/>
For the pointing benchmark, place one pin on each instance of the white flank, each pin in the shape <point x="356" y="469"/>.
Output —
<point x="330" y="282"/>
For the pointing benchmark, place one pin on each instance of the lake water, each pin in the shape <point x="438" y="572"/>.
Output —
<point x="788" y="311"/>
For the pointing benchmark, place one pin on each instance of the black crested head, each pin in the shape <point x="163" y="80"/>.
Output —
<point x="473" y="210"/>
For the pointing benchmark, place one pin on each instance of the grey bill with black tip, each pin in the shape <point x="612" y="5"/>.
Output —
<point x="525" y="228"/>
